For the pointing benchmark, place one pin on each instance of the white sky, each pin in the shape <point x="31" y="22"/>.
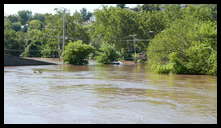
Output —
<point x="10" y="9"/>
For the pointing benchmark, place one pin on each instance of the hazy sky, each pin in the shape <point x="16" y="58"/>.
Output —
<point x="49" y="8"/>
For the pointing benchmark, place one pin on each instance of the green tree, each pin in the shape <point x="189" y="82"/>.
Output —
<point x="107" y="54"/>
<point x="77" y="52"/>
<point x="11" y="45"/>
<point x="203" y="12"/>
<point x="76" y="29"/>
<point x="35" y="24"/>
<point x="38" y="16"/>
<point x="184" y="47"/>
<point x="52" y="34"/>
<point x="33" y="43"/>
<point x="50" y="49"/>
<point x="13" y="18"/>
<point x="171" y="12"/>
<point x="150" y="7"/>
<point x="16" y="26"/>
<point x="115" y="25"/>
<point x="24" y="16"/>
<point x="85" y="14"/>
<point x="13" y="42"/>
<point x="121" y="5"/>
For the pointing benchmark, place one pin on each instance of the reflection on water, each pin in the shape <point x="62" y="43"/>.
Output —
<point x="106" y="94"/>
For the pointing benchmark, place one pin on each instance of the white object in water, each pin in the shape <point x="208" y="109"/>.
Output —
<point x="117" y="62"/>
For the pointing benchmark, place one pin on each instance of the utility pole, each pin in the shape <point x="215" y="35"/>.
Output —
<point x="134" y="39"/>
<point x="63" y="32"/>
<point x="59" y="47"/>
<point x="63" y="11"/>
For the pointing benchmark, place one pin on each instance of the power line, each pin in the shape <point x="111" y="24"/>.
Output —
<point x="134" y="38"/>
<point x="63" y="32"/>
<point x="23" y="50"/>
<point x="138" y="40"/>
<point x="58" y="50"/>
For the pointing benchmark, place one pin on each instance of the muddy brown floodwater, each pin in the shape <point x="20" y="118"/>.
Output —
<point x="106" y="94"/>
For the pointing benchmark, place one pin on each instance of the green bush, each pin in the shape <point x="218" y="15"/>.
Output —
<point x="213" y="63"/>
<point x="107" y="54"/>
<point x="177" y="63"/>
<point x="77" y="53"/>
<point x="50" y="53"/>
<point x="50" y="50"/>
<point x="162" y="68"/>
<point x="198" y="58"/>
<point x="185" y="48"/>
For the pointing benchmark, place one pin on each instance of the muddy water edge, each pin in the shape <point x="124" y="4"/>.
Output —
<point x="106" y="94"/>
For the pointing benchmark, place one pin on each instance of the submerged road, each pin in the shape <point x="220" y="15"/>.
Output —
<point x="19" y="61"/>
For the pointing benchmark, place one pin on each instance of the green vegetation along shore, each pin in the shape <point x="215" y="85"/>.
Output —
<point x="177" y="38"/>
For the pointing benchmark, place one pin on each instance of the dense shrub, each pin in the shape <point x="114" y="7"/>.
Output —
<point x="14" y="42"/>
<point x="107" y="54"/>
<point x="50" y="53"/>
<point x="176" y="38"/>
<point x="77" y="52"/>
<point x="185" y="47"/>
<point x="213" y="63"/>
<point x="166" y="68"/>
<point x="198" y="58"/>
<point x="50" y="50"/>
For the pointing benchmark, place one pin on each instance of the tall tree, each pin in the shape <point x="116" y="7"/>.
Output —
<point x="121" y="5"/>
<point x="16" y="26"/>
<point x="85" y="14"/>
<point x="150" y="7"/>
<point x="35" y="24"/>
<point x="38" y="16"/>
<point x="24" y="16"/>
<point x="13" y="18"/>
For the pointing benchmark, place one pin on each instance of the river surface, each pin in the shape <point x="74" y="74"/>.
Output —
<point x="62" y="94"/>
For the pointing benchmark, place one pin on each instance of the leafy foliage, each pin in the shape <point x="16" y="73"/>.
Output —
<point x="33" y="44"/>
<point x="107" y="54"/>
<point x="178" y="38"/>
<point x="85" y="14"/>
<point x="16" y="26"/>
<point x="150" y="7"/>
<point x="77" y="52"/>
<point x="121" y="5"/>
<point x="185" y="48"/>
<point x="24" y="16"/>
<point x="35" y="24"/>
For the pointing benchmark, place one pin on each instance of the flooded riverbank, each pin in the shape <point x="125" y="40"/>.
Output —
<point x="106" y="94"/>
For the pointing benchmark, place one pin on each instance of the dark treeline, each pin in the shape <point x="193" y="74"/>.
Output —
<point x="176" y="38"/>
